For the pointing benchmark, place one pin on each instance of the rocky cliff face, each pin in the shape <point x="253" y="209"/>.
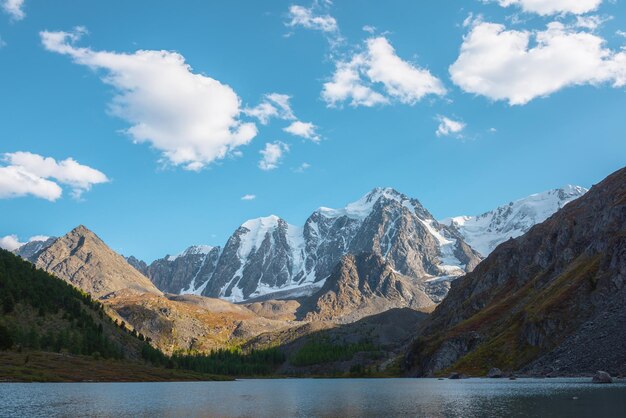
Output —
<point x="184" y="272"/>
<point x="542" y="300"/>
<point x="363" y="285"/>
<point x="268" y="255"/>
<point x="30" y="249"/>
<point x="485" y="232"/>
<point x="82" y="259"/>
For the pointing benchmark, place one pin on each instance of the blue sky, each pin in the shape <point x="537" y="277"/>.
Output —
<point x="447" y="103"/>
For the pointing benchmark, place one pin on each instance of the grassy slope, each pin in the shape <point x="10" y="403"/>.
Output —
<point x="39" y="366"/>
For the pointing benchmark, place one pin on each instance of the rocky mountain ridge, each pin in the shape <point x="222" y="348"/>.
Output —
<point x="268" y="255"/>
<point x="362" y="285"/>
<point x="84" y="260"/>
<point x="553" y="299"/>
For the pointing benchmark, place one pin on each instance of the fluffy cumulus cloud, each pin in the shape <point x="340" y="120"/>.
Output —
<point x="25" y="173"/>
<point x="551" y="7"/>
<point x="518" y="66"/>
<point x="303" y="129"/>
<point x="449" y="127"/>
<point x="248" y="197"/>
<point x="272" y="154"/>
<point x="12" y="242"/>
<point x="191" y="118"/>
<point x="14" y="8"/>
<point x="309" y="19"/>
<point x="377" y="76"/>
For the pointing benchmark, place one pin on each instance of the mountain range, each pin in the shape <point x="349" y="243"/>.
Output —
<point x="268" y="256"/>
<point x="548" y="297"/>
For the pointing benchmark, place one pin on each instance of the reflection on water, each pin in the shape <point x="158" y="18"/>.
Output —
<point x="319" y="397"/>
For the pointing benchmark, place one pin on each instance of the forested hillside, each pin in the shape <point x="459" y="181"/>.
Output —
<point x="49" y="330"/>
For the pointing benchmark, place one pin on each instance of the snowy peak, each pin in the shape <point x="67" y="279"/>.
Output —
<point x="193" y="250"/>
<point x="253" y="233"/>
<point x="485" y="232"/>
<point x="264" y="223"/>
<point x="363" y="207"/>
<point x="268" y="255"/>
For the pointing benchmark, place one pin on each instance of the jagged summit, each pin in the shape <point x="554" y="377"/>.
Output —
<point x="262" y="222"/>
<point x="362" y="207"/>
<point x="194" y="249"/>
<point x="266" y="255"/>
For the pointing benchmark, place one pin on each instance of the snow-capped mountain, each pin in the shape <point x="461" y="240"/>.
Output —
<point x="268" y="255"/>
<point x="485" y="232"/>
<point x="184" y="272"/>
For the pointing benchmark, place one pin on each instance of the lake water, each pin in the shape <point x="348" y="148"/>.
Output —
<point x="319" y="397"/>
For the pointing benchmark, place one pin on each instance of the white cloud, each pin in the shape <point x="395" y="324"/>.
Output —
<point x="12" y="242"/>
<point x="449" y="126"/>
<point x="347" y="84"/>
<point x="30" y="174"/>
<point x="369" y="29"/>
<point x="401" y="79"/>
<point x="282" y="101"/>
<point x="248" y="197"/>
<point x="306" y="18"/>
<point x="79" y="177"/>
<point x="191" y="118"/>
<point x="379" y="67"/>
<point x="304" y="129"/>
<point x="274" y="105"/>
<point x="264" y="111"/>
<point x="502" y="65"/>
<point x="17" y="182"/>
<point x="551" y="7"/>
<point x="591" y="22"/>
<point x="2" y="43"/>
<point x="272" y="154"/>
<point x="302" y="168"/>
<point x="14" y="8"/>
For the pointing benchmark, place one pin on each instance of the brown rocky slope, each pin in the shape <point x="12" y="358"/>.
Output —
<point x="84" y="260"/>
<point x="363" y="285"/>
<point x="553" y="300"/>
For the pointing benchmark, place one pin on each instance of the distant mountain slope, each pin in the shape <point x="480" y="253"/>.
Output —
<point x="268" y="255"/>
<point x="186" y="272"/>
<point x="553" y="299"/>
<point x="485" y="232"/>
<point x="31" y="248"/>
<point x="82" y="259"/>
